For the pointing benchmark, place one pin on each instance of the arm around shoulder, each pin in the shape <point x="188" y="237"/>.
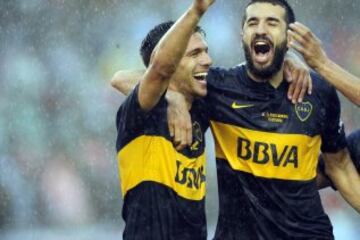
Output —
<point x="125" y="80"/>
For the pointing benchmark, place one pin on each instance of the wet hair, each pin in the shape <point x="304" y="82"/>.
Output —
<point x="289" y="12"/>
<point x="154" y="37"/>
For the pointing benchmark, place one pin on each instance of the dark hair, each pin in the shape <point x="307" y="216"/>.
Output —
<point x="154" y="37"/>
<point x="289" y="12"/>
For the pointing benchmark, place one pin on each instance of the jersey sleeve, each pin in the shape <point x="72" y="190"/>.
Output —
<point x="353" y="144"/>
<point x="218" y="80"/>
<point x="215" y="77"/>
<point x="131" y="119"/>
<point x="353" y="141"/>
<point x="333" y="134"/>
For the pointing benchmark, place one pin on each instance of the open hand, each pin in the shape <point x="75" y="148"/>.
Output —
<point x="307" y="44"/>
<point x="298" y="75"/>
<point x="179" y="120"/>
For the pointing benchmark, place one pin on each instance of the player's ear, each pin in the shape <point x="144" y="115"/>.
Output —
<point x="241" y="34"/>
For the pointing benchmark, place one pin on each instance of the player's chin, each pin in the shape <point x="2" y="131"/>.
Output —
<point x="201" y="91"/>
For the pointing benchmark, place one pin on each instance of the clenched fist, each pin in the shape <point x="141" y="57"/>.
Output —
<point x="201" y="6"/>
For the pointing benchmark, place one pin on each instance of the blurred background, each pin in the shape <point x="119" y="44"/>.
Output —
<point x="58" y="168"/>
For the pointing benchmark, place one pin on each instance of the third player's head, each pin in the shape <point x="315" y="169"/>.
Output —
<point x="264" y="35"/>
<point x="190" y="75"/>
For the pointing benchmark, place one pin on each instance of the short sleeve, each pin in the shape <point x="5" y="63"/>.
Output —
<point x="219" y="80"/>
<point x="130" y="113"/>
<point x="131" y="119"/>
<point x="333" y="134"/>
<point x="215" y="77"/>
<point x="353" y="144"/>
<point x="353" y="141"/>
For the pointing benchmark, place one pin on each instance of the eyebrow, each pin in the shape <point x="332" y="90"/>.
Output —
<point x="197" y="50"/>
<point x="274" y="19"/>
<point x="252" y="19"/>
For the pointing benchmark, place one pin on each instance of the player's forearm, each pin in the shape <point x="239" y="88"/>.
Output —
<point x="125" y="80"/>
<point x="342" y="80"/>
<point x="172" y="46"/>
<point x="346" y="179"/>
<point x="167" y="55"/>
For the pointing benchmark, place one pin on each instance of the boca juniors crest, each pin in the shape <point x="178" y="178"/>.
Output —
<point x="303" y="110"/>
<point x="197" y="136"/>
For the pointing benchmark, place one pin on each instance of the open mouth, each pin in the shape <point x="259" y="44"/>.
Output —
<point x="200" y="76"/>
<point x="261" y="48"/>
<point x="262" y="51"/>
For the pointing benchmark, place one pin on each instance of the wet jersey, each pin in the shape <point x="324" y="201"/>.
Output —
<point x="267" y="153"/>
<point x="353" y="145"/>
<point x="163" y="190"/>
<point x="353" y="141"/>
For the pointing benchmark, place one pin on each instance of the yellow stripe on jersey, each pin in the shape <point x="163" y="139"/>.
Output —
<point x="153" y="158"/>
<point x="266" y="154"/>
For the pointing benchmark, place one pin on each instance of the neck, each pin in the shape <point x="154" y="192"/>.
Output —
<point x="188" y="97"/>
<point x="274" y="80"/>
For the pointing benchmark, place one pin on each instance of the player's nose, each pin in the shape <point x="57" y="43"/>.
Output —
<point x="206" y="60"/>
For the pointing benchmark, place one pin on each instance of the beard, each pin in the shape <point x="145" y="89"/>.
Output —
<point x="273" y="68"/>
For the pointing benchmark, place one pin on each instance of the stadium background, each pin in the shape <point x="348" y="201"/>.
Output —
<point x="58" y="172"/>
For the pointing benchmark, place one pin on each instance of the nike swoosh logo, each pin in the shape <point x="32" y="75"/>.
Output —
<point x="240" y="106"/>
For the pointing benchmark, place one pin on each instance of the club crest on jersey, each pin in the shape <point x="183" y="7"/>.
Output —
<point x="197" y="136"/>
<point x="303" y="110"/>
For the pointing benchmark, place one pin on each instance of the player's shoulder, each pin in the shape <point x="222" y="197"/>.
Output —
<point x="219" y="75"/>
<point x="355" y="136"/>
<point x="223" y="71"/>
<point x="320" y="85"/>
<point x="130" y="109"/>
<point x="353" y="142"/>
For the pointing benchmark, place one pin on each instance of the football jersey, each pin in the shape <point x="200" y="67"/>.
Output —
<point x="163" y="190"/>
<point x="267" y="154"/>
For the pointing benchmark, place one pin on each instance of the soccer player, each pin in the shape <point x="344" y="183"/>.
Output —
<point x="307" y="44"/>
<point x="163" y="189"/>
<point x="266" y="148"/>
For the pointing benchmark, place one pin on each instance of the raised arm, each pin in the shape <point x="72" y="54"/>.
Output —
<point x="310" y="47"/>
<point x="167" y="55"/>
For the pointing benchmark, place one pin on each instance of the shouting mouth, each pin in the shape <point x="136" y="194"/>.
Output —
<point x="262" y="51"/>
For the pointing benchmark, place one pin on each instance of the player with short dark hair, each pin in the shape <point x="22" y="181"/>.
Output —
<point x="153" y="37"/>
<point x="289" y="12"/>
<point x="246" y="209"/>
<point x="266" y="148"/>
<point x="163" y="189"/>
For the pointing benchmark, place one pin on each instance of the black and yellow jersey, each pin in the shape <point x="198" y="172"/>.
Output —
<point x="163" y="190"/>
<point x="267" y="153"/>
<point x="353" y="142"/>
